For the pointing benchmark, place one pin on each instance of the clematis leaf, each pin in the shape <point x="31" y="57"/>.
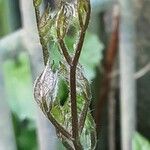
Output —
<point x="64" y="18"/>
<point x="82" y="8"/>
<point x="45" y="87"/>
<point x="88" y="133"/>
<point x="45" y="17"/>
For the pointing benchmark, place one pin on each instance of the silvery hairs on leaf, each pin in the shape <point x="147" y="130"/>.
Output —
<point x="45" y="86"/>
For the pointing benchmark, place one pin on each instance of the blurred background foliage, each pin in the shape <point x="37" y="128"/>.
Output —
<point x="140" y="143"/>
<point x="18" y="80"/>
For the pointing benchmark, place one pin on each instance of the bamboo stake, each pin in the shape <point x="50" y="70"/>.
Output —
<point x="127" y="70"/>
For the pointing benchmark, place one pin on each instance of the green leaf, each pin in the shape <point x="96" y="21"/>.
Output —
<point x="58" y="114"/>
<point x="55" y="56"/>
<point x="25" y="133"/>
<point x="45" y="87"/>
<point x="88" y="133"/>
<point x="63" y="92"/>
<point x="64" y="18"/>
<point x="140" y="143"/>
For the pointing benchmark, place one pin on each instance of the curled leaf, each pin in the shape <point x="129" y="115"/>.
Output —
<point x="82" y="8"/>
<point x="45" y="17"/>
<point x="45" y="23"/>
<point x="45" y="87"/>
<point x="88" y="135"/>
<point x="64" y="18"/>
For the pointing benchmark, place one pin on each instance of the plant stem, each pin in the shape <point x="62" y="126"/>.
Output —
<point x="73" y="102"/>
<point x="82" y="36"/>
<point x="64" y="50"/>
<point x="75" y="133"/>
<point x="73" y="97"/>
<point x="73" y="67"/>
<point x="59" y="127"/>
<point x="67" y="145"/>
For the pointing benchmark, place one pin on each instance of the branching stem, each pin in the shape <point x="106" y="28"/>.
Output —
<point x="77" y="124"/>
<point x="82" y="36"/>
<point x="73" y="67"/>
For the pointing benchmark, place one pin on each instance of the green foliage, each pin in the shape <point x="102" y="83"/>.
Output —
<point x="140" y="143"/>
<point x="18" y="87"/>
<point x="63" y="92"/>
<point x="19" y="96"/>
<point x="25" y="133"/>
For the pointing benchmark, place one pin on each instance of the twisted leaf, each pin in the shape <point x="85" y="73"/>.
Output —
<point x="45" y="24"/>
<point x="45" y="86"/>
<point x="82" y="8"/>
